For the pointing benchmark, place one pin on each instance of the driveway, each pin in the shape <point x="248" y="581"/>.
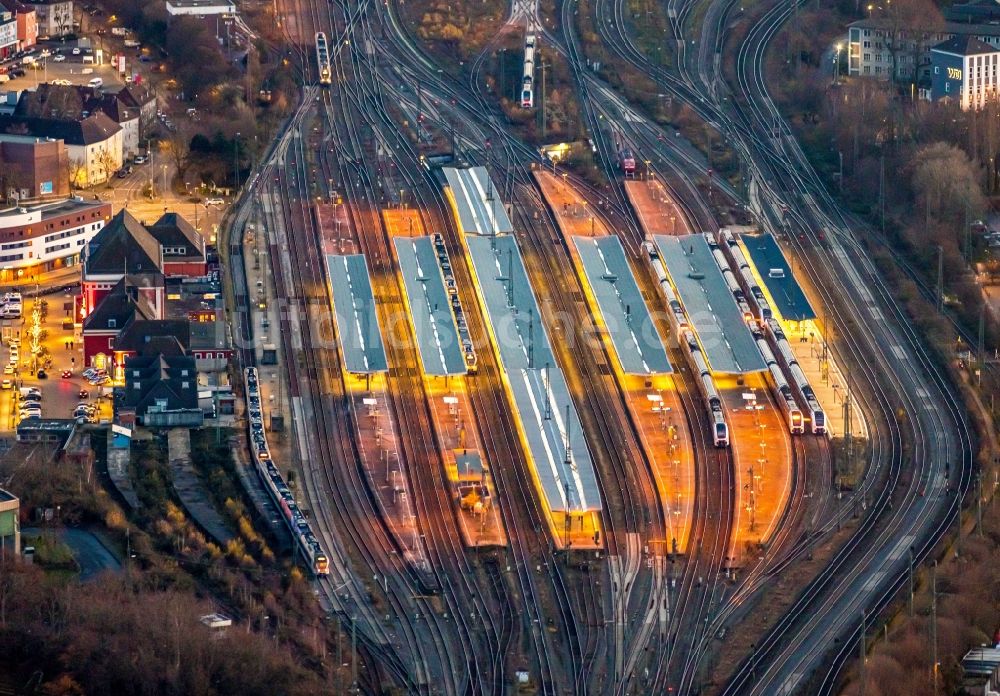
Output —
<point x="89" y="551"/>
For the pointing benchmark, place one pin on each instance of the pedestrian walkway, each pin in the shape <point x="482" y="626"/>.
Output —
<point x="190" y="489"/>
<point x="118" y="471"/>
<point x="656" y="209"/>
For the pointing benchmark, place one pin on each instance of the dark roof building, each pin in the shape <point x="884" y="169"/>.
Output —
<point x="179" y="240"/>
<point x="162" y="390"/>
<point x="964" y="69"/>
<point x="93" y="129"/>
<point x="123" y="245"/>
<point x="964" y="45"/>
<point x="124" y="304"/>
<point x="139" y="335"/>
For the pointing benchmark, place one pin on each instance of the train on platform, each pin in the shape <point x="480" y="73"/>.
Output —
<point x="676" y="308"/>
<point x="730" y="278"/>
<point x="817" y="417"/>
<point x="302" y="534"/>
<point x="786" y="399"/>
<point x="323" y="59"/>
<point x="713" y="402"/>
<point x="528" y="76"/>
<point x="727" y="238"/>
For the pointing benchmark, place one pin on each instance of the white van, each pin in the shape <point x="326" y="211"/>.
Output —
<point x="96" y="83"/>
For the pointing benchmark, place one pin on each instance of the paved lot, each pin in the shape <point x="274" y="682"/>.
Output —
<point x="59" y="396"/>
<point x="72" y="69"/>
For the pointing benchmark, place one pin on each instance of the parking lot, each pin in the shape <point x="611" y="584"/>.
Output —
<point x="60" y="395"/>
<point x="71" y="68"/>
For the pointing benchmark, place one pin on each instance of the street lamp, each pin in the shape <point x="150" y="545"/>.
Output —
<point x="836" y="65"/>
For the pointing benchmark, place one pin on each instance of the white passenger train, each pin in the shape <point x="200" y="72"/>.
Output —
<point x="302" y="533"/>
<point x="323" y="59"/>
<point x="786" y="399"/>
<point x="805" y="392"/>
<point x="528" y="76"/>
<point x="763" y="306"/>
<point x="713" y="403"/>
<point x="731" y="283"/>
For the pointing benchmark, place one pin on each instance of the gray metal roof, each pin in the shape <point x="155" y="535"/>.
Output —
<point x="540" y="394"/>
<point x="570" y="486"/>
<point x="354" y="310"/>
<point x="480" y="210"/>
<point x="711" y="308"/>
<point x="637" y="343"/>
<point x="510" y="303"/>
<point x="766" y="257"/>
<point x="430" y="307"/>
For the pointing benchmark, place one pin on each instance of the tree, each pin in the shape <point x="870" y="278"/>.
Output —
<point x="179" y="146"/>
<point x="910" y="24"/>
<point x="947" y="182"/>
<point x="107" y="163"/>
<point x="77" y="173"/>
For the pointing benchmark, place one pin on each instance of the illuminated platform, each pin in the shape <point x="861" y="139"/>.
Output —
<point x="626" y="317"/>
<point x="717" y="321"/>
<point x="548" y="418"/>
<point x="354" y="311"/>
<point x="430" y="308"/>
<point x="656" y="209"/>
<point x="477" y="201"/>
<point x="776" y="275"/>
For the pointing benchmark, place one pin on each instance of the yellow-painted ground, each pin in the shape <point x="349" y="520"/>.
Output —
<point x="652" y="401"/>
<point x="584" y="529"/>
<point x="657" y="211"/>
<point x="761" y="449"/>
<point x="473" y="493"/>
<point x="820" y="367"/>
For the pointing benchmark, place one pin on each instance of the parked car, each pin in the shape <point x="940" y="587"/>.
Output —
<point x="58" y="58"/>
<point x="214" y="201"/>
<point x="6" y="384"/>
<point x="75" y="51"/>
<point x="139" y="159"/>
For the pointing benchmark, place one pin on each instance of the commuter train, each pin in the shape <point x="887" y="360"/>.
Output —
<point x="302" y="533"/>
<point x="763" y="306"/>
<point x="323" y="59"/>
<point x="730" y="278"/>
<point x="676" y="308"/>
<point x="627" y="161"/>
<point x="786" y="399"/>
<point x="720" y="427"/>
<point x="805" y="391"/>
<point x="528" y="77"/>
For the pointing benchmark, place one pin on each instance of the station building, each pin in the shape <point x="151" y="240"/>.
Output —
<point x="141" y="282"/>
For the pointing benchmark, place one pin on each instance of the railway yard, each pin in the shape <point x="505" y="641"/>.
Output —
<point x="560" y="437"/>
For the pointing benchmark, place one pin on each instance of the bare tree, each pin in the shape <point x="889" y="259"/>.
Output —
<point x="911" y="24"/>
<point x="77" y="173"/>
<point x="107" y="163"/>
<point x="179" y="146"/>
